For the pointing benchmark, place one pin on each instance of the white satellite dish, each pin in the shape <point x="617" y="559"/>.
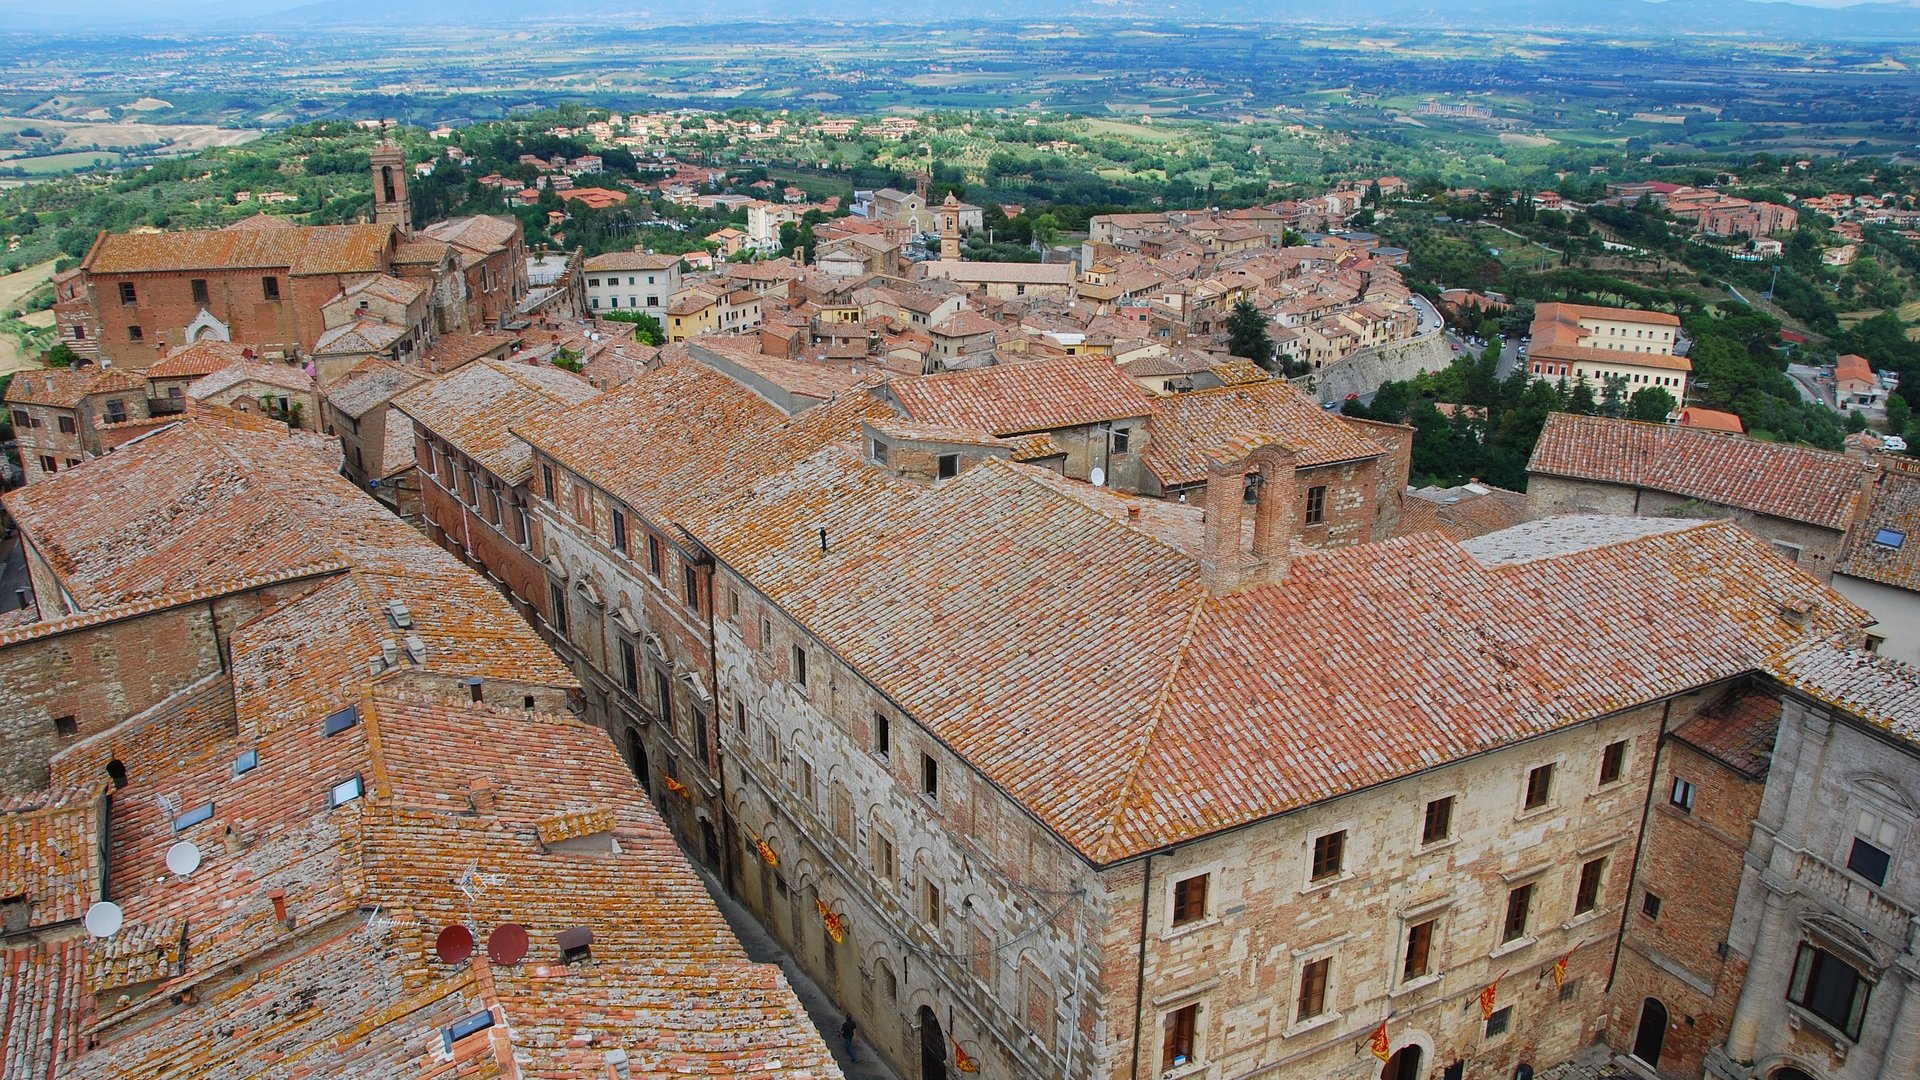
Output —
<point x="104" y="919"/>
<point x="1099" y="477"/>
<point x="183" y="858"/>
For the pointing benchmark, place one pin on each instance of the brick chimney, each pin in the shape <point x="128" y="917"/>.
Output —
<point x="1224" y="564"/>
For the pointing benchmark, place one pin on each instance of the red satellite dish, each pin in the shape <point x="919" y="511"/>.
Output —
<point x="507" y="944"/>
<point x="454" y="945"/>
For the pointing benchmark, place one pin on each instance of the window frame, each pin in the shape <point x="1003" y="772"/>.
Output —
<point x="1591" y="883"/>
<point x="1185" y="909"/>
<point x="1328" y="846"/>
<point x="1541" y="777"/>
<point x="1613" y="763"/>
<point x="1518" y="918"/>
<point x="1180" y="1038"/>
<point x="1681" y="795"/>
<point x="1316" y="509"/>
<point x="1313" y="985"/>
<point x="1427" y="838"/>
<point x="1802" y="992"/>
<point x="1418" y="936"/>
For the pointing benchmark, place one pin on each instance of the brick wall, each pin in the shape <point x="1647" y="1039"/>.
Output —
<point x="1693" y="863"/>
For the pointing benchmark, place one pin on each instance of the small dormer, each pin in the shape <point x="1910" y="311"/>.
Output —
<point x="929" y="453"/>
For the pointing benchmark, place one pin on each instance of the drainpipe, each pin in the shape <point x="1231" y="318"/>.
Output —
<point x="1140" y="975"/>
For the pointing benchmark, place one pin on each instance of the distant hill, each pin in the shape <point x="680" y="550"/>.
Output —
<point x="1896" y="21"/>
<point x="1869" y="21"/>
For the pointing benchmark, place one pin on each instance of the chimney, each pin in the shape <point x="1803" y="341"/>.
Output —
<point x="481" y="794"/>
<point x="1224" y="564"/>
<point x="279" y="898"/>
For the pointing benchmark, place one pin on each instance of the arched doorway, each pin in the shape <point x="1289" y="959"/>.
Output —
<point x="933" y="1047"/>
<point x="1651" y="1034"/>
<point x="1403" y="1065"/>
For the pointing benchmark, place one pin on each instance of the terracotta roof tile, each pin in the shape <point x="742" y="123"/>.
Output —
<point x="65" y="388"/>
<point x="301" y="249"/>
<point x="1014" y="399"/>
<point x="1792" y="482"/>
<point x="1185" y="424"/>
<point x="1884" y="546"/>
<point x="474" y="406"/>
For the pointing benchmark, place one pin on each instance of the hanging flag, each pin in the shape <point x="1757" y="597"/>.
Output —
<point x="962" y="1061"/>
<point x="836" y="926"/>
<point x="1382" y="1048"/>
<point x="1560" y="968"/>
<point x="678" y="788"/>
<point x="766" y="853"/>
<point x="1487" y="998"/>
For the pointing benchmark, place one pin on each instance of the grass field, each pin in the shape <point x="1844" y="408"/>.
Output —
<point x="61" y="163"/>
<point x="13" y="289"/>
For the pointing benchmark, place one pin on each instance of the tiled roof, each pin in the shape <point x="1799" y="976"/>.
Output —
<point x="452" y="350"/>
<point x="369" y="385"/>
<point x="632" y="260"/>
<point x="1009" y="273"/>
<point x="65" y="388"/>
<point x="387" y="287"/>
<point x="1462" y="512"/>
<point x="1712" y="420"/>
<point x="1738" y="731"/>
<point x="1184" y="425"/>
<point x="1065" y="648"/>
<point x="302" y="249"/>
<point x="1012" y="399"/>
<point x="359" y="336"/>
<point x="1885" y="545"/>
<point x="1874" y="688"/>
<point x="473" y="406"/>
<point x="52" y="852"/>
<point x="241" y="372"/>
<point x="618" y="440"/>
<point x="1777" y="479"/>
<point x="200" y="358"/>
<point x="1852" y="367"/>
<point x="480" y="235"/>
<point x="210" y="504"/>
<point x="1557" y="335"/>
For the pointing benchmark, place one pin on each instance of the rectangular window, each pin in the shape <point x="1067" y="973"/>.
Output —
<point x="699" y="732"/>
<point x="66" y="726"/>
<point x="883" y="857"/>
<point x="766" y="633"/>
<point x="663" y="695"/>
<point x="1177" y="1042"/>
<point x="799" y="665"/>
<point x="1613" y="762"/>
<point x="1872" y="852"/>
<point x="558" y="618"/>
<point x="619" y="531"/>
<point x="1829" y="988"/>
<point x="654" y="560"/>
<point x="1539" y="786"/>
<point x="1418" y="962"/>
<point x="1682" y="796"/>
<point x="629" y="667"/>
<point x="1439" y="821"/>
<point x="66" y="424"/>
<point x="740" y="717"/>
<point x="1313" y="988"/>
<point x="546" y="482"/>
<point x="1587" y="897"/>
<point x="949" y="466"/>
<point x="1190" y="900"/>
<point x="1650" y="905"/>
<point x="270" y="288"/>
<point x="1499" y="1022"/>
<point x="1317" y="504"/>
<point x="1122" y="439"/>
<point x="127" y="293"/>
<point x="134" y="333"/>
<point x="199" y="290"/>
<point x="930" y="904"/>
<point x="882" y="735"/>
<point x="929" y="777"/>
<point x="1519" y="905"/>
<point x="1329" y="855"/>
<point x="690" y="586"/>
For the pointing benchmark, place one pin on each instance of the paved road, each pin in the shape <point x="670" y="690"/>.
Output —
<point x="762" y="948"/>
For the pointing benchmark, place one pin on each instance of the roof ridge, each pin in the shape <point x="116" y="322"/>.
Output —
<point x="1152" y="729"/>
<point x="1063" y="495"/>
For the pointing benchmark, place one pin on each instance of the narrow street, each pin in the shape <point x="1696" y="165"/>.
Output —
<point x="762" y="948"/>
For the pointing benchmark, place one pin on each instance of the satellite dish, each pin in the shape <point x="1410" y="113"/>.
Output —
<point x="507" y="944"/>
<point x="1098" y="478"/>
<point x="183" y="858"/>
<point x="454" y="944"/>
<point x="104" y="919"/>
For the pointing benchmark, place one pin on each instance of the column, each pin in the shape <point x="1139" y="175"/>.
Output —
<point x="1767" y="974"/>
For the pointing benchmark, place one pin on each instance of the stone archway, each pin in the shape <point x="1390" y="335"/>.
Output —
<point x="933" y="1046"/>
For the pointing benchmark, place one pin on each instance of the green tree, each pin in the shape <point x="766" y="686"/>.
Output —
<point x="1652" y="404"/>
<point x="1580" y="400"/>
<point x="1247" y="334"/>
<point x="1898" y="413"/>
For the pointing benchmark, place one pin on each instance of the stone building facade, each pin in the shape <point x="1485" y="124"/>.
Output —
<point x="1830" y="895"/>
<point x="59" y="415"/>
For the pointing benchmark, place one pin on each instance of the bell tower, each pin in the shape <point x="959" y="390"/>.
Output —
<point x="950" y="229"/>
<point x="390" y="203"/>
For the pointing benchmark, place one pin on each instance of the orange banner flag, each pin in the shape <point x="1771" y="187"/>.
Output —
<point x="836" y="926"/>
<point x="678" y="788"/>
<point x="962" y="1061"/>
<point x="1560" y="969"/>
<point x="1382" y="1047"/>
<point x="1487" y="998"/>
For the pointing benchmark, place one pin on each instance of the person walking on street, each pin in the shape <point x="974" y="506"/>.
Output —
<point x="847" y="1028"/>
